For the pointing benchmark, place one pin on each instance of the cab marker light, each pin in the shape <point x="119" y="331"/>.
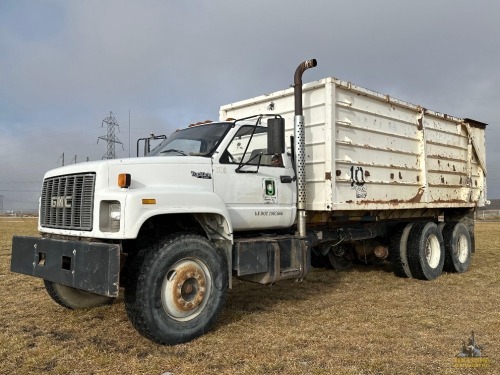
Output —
<point x="124" y="180"/>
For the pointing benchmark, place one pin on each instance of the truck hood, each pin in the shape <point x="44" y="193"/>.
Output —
<point x="145" y="171"/>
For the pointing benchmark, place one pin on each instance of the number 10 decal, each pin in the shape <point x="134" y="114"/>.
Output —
<point x="358" y="182"/>
<point x="357" y="176"/>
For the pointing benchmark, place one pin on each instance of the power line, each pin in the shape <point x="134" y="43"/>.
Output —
<point x="18" y="201"/>
<point x="19" y="182"/>
<point x="50" y="136"/>
<point x="21" y="191"/>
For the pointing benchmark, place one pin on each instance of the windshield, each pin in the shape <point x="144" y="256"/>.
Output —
<point x="199" y="140"/>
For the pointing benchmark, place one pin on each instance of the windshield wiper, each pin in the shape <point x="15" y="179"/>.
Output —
<point x="174" y="150"/>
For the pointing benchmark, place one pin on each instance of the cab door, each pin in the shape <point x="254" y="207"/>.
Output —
<point x="258" y="188"/>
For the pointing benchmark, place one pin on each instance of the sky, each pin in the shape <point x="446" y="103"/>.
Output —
<point x="64" y="65"/>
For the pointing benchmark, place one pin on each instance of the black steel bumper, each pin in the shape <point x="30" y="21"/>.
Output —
<point x="89" y="266"/>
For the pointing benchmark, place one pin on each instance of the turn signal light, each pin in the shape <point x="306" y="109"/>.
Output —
<point x="124" y="180"/>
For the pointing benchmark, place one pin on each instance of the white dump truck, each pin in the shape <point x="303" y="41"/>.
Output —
<point x="326" y="170"/>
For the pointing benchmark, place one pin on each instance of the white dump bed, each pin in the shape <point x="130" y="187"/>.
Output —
<point x="365" y="150"/>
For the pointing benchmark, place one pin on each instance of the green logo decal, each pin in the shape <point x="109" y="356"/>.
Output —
<point x="270" y="187"/>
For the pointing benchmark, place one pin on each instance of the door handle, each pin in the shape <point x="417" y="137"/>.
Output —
<point x="286" y="179"/>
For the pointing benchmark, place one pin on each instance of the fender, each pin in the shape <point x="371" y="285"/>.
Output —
<point x="172" y="201"/>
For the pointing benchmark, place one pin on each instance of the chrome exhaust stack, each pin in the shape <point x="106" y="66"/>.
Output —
<point x="299" y="146"/>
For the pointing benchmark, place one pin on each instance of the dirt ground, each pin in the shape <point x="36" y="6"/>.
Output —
<point x="361" y="321"/>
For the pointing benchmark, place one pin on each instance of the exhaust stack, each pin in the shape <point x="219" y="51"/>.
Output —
<point x="299" y="146"/>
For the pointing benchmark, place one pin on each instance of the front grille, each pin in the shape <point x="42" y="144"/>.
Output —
<point x="67" y="202"/>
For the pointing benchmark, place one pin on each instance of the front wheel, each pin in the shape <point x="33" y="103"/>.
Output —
<point x="74" y="299"/>
<point x="177" y="289"/>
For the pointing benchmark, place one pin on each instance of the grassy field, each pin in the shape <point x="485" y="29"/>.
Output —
<point x="362" y="321"/>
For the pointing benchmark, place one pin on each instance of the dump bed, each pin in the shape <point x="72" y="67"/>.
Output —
<point x="365" y="150"/>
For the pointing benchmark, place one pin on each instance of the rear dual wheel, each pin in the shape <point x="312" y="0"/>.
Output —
<point x="416" y="250"/>
<point x="425" y="251"/>
<point x="458" y="247"/>
<point x="398" y="251"/>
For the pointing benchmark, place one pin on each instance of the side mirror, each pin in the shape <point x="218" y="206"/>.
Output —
<point x="276" y="135"/>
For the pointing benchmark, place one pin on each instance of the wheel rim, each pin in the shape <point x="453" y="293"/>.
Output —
<point x="433" y="251"/>
<point x="186" y="289"/>
<point x="462" y="248"/>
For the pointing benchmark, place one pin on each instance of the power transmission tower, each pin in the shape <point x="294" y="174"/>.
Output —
<point x="110" y="138"/>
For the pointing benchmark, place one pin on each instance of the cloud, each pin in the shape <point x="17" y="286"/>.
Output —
<point x="65" y="65"/>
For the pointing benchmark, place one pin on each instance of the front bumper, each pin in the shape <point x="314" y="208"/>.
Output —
<point x="90" y="266"/>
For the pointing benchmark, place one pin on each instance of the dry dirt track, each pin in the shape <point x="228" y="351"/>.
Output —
<point x="363" y="321"/>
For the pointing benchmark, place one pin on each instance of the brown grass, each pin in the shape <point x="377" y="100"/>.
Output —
<point x="363" y="321"/>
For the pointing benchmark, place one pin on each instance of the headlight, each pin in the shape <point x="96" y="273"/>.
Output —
<point x="114" y="211"/>
<point x="110" y="216"/>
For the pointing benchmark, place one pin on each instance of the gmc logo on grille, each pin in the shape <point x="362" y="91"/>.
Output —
<point x="61" y="202"/>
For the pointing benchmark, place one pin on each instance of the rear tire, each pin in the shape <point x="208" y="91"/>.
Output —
<point x="74" y="299"/>
<point x="176" y="289"/>
<point x="425" y="251"/>
<point x="457" y="247"/>
<point x="398" y="249"/>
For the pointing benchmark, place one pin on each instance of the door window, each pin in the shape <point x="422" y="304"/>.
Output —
<point x="250" y="149"/>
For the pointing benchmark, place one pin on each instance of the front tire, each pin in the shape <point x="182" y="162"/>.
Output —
<point x="457" y="246"/>
<point x="425" y="251"/>
<point x="177" y="289"/>
<point x="74" y="299"/>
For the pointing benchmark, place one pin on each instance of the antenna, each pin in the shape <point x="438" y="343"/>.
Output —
<point x="110" y="138"/>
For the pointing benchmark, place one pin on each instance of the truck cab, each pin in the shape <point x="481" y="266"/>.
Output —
<point x="206" y="195"/>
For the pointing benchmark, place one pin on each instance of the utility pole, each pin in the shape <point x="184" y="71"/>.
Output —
<point x="1" y="203"/>
<point x="61" y="157"/>
<point x="129" y="133"/>
<point x="110" y="138"/>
